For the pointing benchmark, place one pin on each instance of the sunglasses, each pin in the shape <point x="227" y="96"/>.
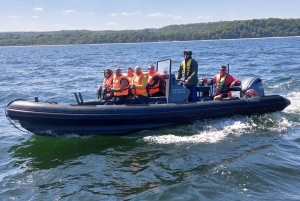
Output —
<point x="222" y="69"/>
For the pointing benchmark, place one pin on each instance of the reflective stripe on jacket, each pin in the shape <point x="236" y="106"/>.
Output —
<point x="186" y="69"/>
<point x="220" y="84"/>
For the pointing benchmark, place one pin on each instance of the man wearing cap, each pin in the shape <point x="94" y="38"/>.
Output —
<point x="189" y="70"/>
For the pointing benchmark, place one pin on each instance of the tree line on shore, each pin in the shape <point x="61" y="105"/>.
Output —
<point x="256" y="28"/>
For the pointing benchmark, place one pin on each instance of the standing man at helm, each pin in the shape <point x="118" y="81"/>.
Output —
<point x="189" y="70"/>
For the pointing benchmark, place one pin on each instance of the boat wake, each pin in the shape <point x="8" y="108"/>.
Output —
<point x="213" y="131"/>
<point x="294" y="107"/>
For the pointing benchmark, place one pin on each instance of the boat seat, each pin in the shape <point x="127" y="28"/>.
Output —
<point x="203" y="91"/>
<point x="210" y="81"/>
<point x="162" y="89"/>
<point x="162" y="86"/>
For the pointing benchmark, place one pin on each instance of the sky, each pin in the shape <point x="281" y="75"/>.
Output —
<point x="96" y="15"/>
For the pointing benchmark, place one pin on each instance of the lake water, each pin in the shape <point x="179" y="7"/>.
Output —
<point x="238" y="158"/>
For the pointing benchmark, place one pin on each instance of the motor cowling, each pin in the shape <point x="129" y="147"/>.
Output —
<point x="254" y="83"/>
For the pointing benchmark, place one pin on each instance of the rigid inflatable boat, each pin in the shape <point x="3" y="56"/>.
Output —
<point x="101" y="117"/>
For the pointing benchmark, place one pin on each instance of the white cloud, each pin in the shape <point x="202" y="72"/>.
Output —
<point x="68" y="11"/>
<point x="204" y="17"/>
<point x="113" y="14"/>
<point x="111" y="24"/>
<point x="35" y="16"/>
<point x="177" y="17"/>
<point x="129" y="14"/>
<point x="125" y="14"/>
<point x="159" y="14"/>
<point x="38" y="9"/>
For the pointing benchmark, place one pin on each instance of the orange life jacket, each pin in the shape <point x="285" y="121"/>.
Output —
<point x="130" y="78"/>
<point x="117" y="84"/>
<point x="137" y="80"/>
<point x="108" y="82"/>
<point x="155" y="88"/>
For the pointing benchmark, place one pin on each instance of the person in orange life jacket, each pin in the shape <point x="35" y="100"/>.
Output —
<point x="153" y="82"/>
<point x="189" y="70"/>
<point x="107" y="83"/>
<point x="120" y="87"/>
<point x="138" y="85"/>
<point x="130" y="75"/>
<point x="223" y="82"/>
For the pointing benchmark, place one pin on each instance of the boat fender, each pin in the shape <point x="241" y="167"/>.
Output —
<point x="250" y="93"/>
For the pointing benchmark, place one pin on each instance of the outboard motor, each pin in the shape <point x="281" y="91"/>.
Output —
<point x="253" y="83"/>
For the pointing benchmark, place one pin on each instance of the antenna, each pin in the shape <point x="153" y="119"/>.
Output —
<point x="228" y="66"/>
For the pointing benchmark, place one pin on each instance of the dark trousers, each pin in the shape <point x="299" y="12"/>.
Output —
<point x="193" y="93"/>
<point x="119" y="100"/>
<point x="156" y="94"/>
<point x="139" y="99"/>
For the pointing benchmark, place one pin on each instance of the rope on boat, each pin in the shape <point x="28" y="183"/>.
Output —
<point x="25" y="131"/>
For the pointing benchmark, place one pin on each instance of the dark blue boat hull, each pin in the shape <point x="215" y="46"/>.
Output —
<point x="55" y="119"/>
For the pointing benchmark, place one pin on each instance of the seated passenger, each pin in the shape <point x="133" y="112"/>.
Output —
<point x="129" y="75"/>
<point x="153" y="82"/>
<point x="223" y="82"/>
<point x="120" y="87"/>
<point x="107" y="83"/>
<point x="250" y="93"/>
<point x="138" y="86"/>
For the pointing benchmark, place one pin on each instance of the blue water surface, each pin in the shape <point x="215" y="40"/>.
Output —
<point x="238" y="158"/>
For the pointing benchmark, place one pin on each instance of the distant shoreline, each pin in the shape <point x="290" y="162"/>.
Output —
<point x="151" y="42"/>
<point x="228" y="30"/>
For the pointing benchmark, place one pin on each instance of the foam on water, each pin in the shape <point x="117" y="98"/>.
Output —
<point x="217" y="130"/>
<point x="294" y="97"/>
